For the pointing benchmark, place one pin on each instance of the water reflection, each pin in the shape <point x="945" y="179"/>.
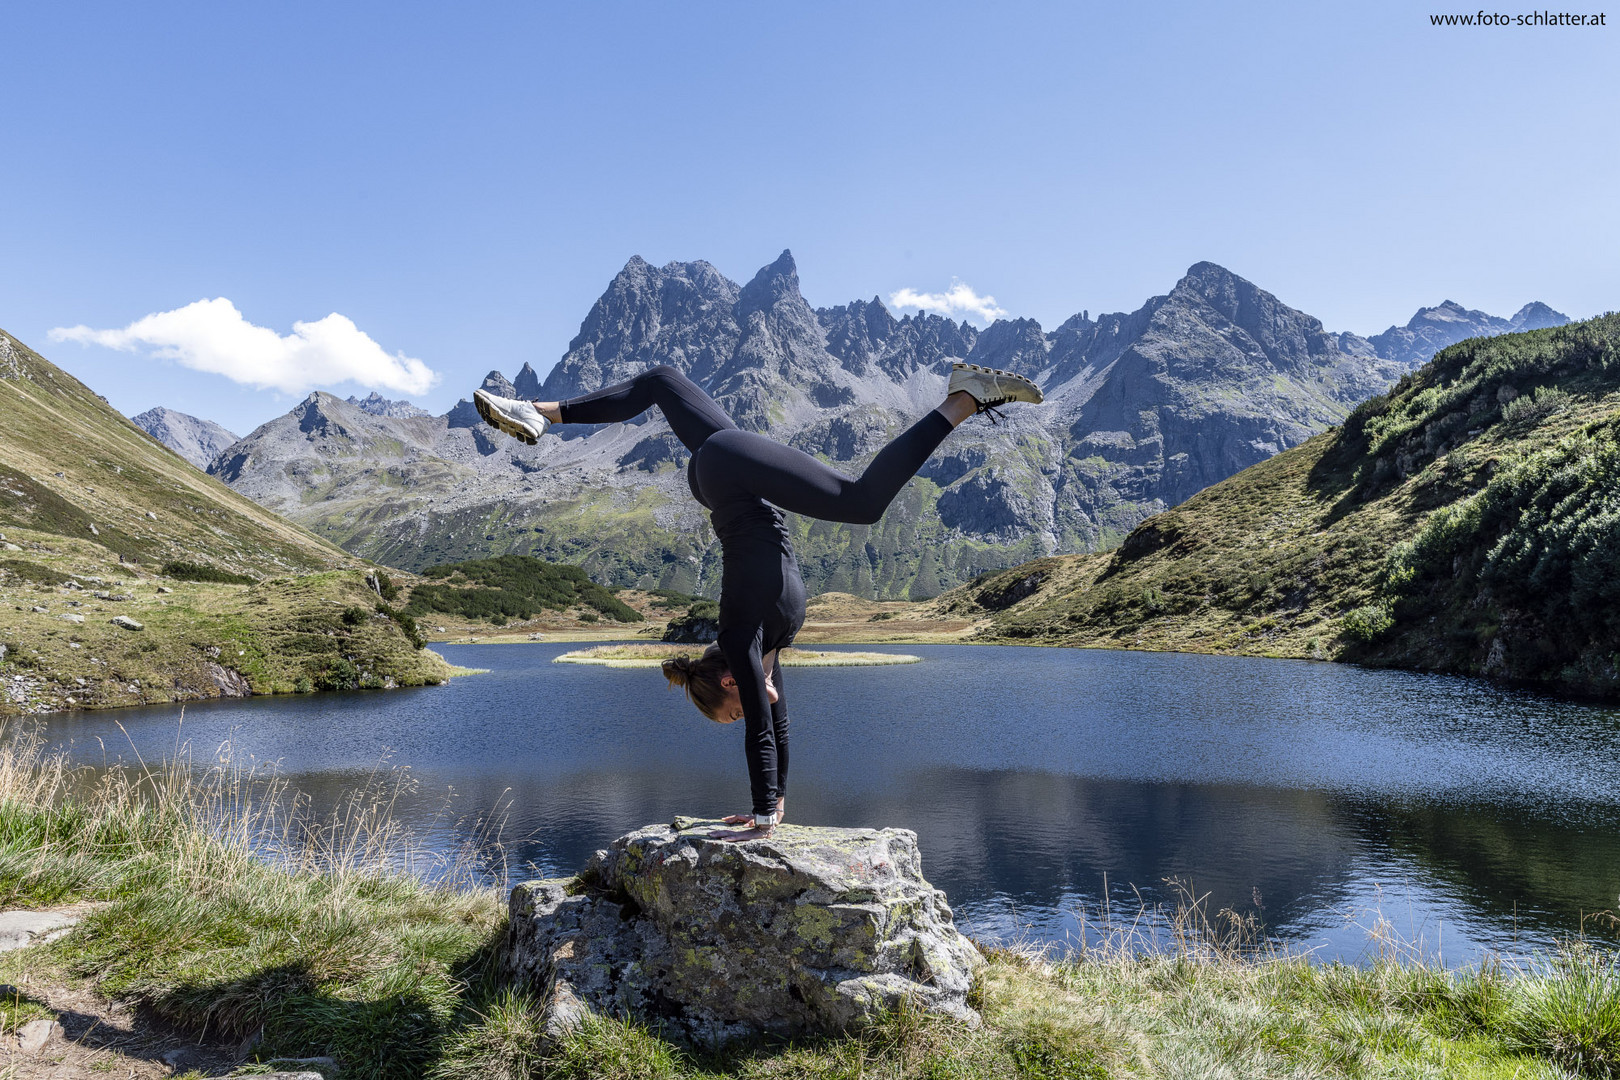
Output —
<point x="1306" y="794"/>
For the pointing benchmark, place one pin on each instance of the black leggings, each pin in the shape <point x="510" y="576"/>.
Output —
<point x="741" y="464"/>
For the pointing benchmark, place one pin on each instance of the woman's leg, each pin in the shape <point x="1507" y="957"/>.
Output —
<point x="692" y="414"/>
<point x="779" y="723"/>
<point x="750" y="464"/>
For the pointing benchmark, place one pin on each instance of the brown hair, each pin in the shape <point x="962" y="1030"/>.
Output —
<point x="700" y="678"/>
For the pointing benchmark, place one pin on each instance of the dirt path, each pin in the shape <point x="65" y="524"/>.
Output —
<point x="87" y="1037"/>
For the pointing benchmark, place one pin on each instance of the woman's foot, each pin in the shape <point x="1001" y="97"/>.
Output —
<point x="990" y="388"/>
<point x="520" y="419"/>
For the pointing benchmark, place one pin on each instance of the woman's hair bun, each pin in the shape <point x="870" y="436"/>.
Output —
<point x="678" y="670"/>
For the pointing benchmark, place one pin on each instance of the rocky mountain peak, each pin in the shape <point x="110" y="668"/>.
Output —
<point x="1448" y="311"/>
<point x="774" y="286"/>
<point x="496" y="383"/>
<point x="1537" y="316"/>
<point x="1012" y="345"/>
<point x="678" y="314"/>
<point x="198" y="441"/>
<point x="527" y="383"/>
<point x="377" y="405"/>
<point x="464" y="414"/>
<point x="858" y="332"/>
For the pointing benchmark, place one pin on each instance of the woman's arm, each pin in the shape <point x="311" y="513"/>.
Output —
<point x="742" y="649"/>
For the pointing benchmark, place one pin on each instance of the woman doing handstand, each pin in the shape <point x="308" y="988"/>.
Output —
<point x="746" y="481"/>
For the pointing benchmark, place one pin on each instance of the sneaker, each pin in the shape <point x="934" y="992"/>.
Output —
<point x="519" y="419"/>
<point x="991" y="388"/>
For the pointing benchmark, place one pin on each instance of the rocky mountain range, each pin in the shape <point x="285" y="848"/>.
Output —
<point x="377" y="405"/>
<point x="1434" y="328"/>
<point x="198" y="441"/>
<point x="1143" y="410"/>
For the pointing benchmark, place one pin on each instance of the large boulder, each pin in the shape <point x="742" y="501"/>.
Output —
<point x="812" y="930"/>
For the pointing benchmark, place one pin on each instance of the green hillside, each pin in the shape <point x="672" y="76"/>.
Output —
<point x="99" y="521"/>
<point x="1468" y="521"/>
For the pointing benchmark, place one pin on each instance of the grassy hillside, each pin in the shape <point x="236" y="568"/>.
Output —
<point x="74" y="466"/>
<point x="98" y="520"/>
<point x="1468" y="520"/>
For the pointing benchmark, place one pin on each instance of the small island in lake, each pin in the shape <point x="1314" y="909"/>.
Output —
<point x="651" y="655"/>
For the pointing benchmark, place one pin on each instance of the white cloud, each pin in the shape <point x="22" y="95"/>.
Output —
<point x="958" y="299"/>
<point x="211" y="335"/>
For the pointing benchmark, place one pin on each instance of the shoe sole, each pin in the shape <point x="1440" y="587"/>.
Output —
<point x="982" y="370"/>
<point x="499" y="422"/>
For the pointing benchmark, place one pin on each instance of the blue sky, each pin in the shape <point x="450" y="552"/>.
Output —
<point x="461" y="182"/>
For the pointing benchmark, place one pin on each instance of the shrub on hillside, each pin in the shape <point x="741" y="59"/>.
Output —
<point x="181" y="570"/>
<point x="1368" y="624"/>
<point x="1530" y="408"/>
<point x="512" y="587"/>
<point x="1543" y="535"/>
<point x="31" y="571"/>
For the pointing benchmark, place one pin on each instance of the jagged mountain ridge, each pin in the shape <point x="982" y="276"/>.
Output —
<point x="377" y="405"/>
<point x="1144" y="409"/>
<point x="1434" y="328"/>
<point x="198" y="441"/>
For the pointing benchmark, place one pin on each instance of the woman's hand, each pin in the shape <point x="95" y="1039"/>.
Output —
<point x="748" y="829"/>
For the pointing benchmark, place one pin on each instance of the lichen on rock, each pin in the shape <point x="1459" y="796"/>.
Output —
<point x="811" y="930"/>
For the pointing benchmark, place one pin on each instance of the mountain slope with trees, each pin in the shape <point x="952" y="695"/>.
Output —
<point x="1468" y="520"/>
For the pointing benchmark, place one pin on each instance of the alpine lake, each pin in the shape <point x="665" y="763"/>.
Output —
<point x="1055" y="792"/>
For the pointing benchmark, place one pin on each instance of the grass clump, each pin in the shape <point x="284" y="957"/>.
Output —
<point x="1569" y="1012"/>
<point x="227" y="907"/>
<point x="17" y="1009"/>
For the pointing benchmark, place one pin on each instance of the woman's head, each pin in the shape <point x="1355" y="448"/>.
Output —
<point x="701" y="678"/>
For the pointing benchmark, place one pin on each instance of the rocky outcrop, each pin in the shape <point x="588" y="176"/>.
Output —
<point x="198" y="441"/>
<point x="699" y="626"/>
<point x="810" y="931"/>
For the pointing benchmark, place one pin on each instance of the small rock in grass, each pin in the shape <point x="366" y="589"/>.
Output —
<point x="72" y="618"/>
<point x="9" y="546"/>
<point x="40" y="610"/>
<point x="36" y="1034"/>
<point x="19" y="928"/>
<point x="127" y="623"/>
<point x="164" y="589"/>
